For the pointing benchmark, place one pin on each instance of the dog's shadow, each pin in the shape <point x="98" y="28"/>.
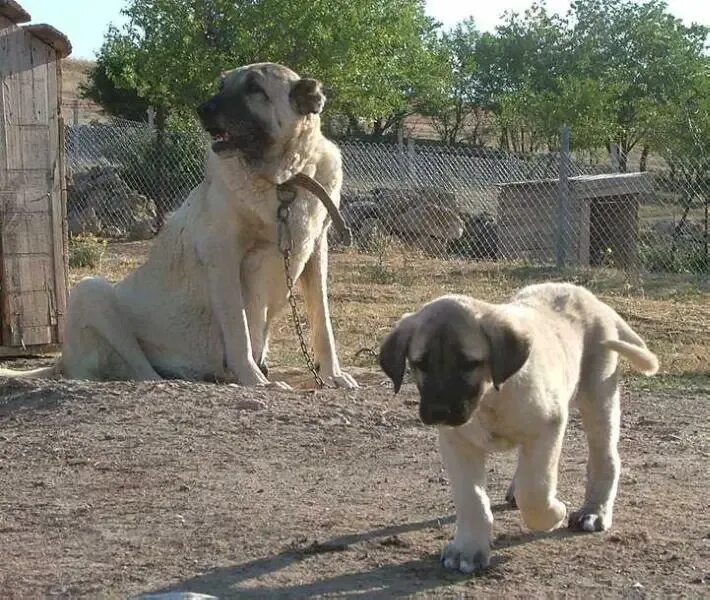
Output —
<point x="393" y="580"/>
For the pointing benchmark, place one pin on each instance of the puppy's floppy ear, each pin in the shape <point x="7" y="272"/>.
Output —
<point x="510" y="346"/>
<point x="393" y="351"/>
<point x="307" y="96"/>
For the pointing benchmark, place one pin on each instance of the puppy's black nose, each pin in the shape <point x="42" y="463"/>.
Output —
<point x="433" y="414"/>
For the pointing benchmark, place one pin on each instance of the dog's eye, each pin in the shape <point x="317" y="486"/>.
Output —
<point x="420" y="364"/>
<point x="253" y="88"/>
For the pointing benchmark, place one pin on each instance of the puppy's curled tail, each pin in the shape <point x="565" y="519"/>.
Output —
<point x="51" y="372"/>
<point x="633" y="348"/>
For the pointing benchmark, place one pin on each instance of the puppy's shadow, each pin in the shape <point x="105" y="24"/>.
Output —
<point x="391" y="580"/>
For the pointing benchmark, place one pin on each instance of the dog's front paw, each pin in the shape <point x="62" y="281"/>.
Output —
<point x="343" y="380"/>
<point x="466" y="558"/>
<point x="589" y="520"/>
<point x="276" y="385"/>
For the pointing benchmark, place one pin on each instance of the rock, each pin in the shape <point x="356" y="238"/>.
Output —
<point x="669" y="228"/>
<point x="174" y="596"/>
<point x="83" y="221"/>
<point x="397" y="200"/>
<point x="100" y="200"/>
<point x="142" y="230"/>
<point x="479" y="238"/>
<point x="428" y="220"/>
<point x="355" y="212"/>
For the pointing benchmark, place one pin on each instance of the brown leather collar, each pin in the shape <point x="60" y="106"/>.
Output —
<point x="308" y="183"/>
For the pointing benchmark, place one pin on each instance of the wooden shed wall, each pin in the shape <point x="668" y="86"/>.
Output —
<point x="32" y="204"/>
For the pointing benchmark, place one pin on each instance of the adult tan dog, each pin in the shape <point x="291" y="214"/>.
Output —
<point x="496" y="377"/>
<point x="201" y="306"/>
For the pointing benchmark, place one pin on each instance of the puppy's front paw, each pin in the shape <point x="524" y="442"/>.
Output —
<point x="466" y="558"/>
<point x="589" y="520"/>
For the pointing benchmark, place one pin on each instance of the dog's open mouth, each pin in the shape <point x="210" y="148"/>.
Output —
<point x="221" y="138"/>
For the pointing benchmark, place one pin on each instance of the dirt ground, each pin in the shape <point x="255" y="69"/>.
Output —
<point x="117" y="490"/>
<point x="120" y="489"/>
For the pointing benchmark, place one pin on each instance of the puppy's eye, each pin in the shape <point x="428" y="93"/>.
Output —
<point x="469" y="364"/>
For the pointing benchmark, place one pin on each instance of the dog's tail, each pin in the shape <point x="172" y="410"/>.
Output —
<point x="633" y="348"/>
<point x="51" y="372"/>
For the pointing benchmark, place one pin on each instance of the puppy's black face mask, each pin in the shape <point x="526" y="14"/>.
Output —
<point x="233" y="124"/>
<point x="449" y="382"/>
<point x="456" y="354"/>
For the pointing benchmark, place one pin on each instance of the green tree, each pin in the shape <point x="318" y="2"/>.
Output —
<point x="613" y="70"/>
<point x="101" y="84"/>
<point x="372" y="55"/>
<point x="452" y="104"/>
<point x="522" y="68"/>
<point x="645" y="57"/>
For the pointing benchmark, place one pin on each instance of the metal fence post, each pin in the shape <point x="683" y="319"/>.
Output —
<point x="75" y="113"/>
<point x="563" y="197"/>
<point x="411" y="171"/>
<point x="150" y="112"/>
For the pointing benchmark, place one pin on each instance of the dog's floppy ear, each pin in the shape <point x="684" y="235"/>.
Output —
<point x="510" y="346"/>
<point x="393" y="351"/>
<point x="307" y="96"/>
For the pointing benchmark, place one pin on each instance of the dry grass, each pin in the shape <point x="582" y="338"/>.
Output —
<point x="368" y="293"/>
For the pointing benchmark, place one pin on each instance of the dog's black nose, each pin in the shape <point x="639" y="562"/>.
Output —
<point x="206" y="108"/>
<point x="433" y="414"/>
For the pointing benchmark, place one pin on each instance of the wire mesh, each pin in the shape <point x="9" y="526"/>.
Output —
<point x="449" y="202"/>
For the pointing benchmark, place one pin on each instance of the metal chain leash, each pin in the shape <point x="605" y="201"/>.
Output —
<point x="286" y="197"/>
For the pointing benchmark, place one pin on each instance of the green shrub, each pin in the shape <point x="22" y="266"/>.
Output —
<point x="86" y="251"/>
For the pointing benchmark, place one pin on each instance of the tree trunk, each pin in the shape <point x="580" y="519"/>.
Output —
<point x="378" y="127"/>
<point x="644" y="158"/>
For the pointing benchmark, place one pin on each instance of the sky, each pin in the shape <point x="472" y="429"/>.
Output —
<point x="86" y="21"/>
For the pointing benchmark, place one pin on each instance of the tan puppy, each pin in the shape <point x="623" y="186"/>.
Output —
<point x="202" y="305"/>
<point x="496" y="377"/>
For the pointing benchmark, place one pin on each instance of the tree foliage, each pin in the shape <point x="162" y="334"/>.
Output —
<point x="372" y="55"/>
<point x="618" y="72"/>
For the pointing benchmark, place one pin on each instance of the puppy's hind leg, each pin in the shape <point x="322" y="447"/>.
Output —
<point x="601" y="416"/>
<point x="97" y="329"/>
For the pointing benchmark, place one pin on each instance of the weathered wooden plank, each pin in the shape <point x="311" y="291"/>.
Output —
<point x="27" y="351"/>
<point x="27" y="273"/>
<point x="33" y="83"/>
<point x="26" y="233"/>
<point x="26" y="318"/>
<point x="19" y="179"/>
<point x="34" y="148"/>
<point x="59" y="206"/>
<point x="32" y="256"/>
<point x="27" y="200"/>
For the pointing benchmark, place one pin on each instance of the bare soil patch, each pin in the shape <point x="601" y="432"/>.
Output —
<point x="109" y="490"/>
<point x="116" y="489"/>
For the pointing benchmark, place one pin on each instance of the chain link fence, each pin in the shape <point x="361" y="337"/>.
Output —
<point x="449" y="202"/>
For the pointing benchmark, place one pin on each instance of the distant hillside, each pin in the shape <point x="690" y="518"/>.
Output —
<point x="74" y="73"/>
